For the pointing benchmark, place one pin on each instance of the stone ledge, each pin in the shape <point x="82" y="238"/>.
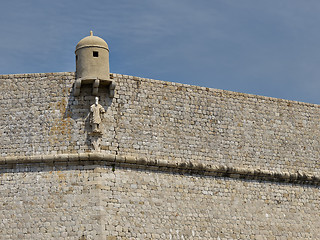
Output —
<point x="161" y="165"/>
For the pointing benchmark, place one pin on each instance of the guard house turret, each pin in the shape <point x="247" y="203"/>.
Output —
<point x="92" y="64"/>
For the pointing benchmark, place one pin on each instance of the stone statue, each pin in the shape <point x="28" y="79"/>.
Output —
<point x="97" y="110"/>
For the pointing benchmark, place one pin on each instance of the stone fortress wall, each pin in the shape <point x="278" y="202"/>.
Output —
<point x="175" y="162"/>
<point x="159" y="120"/>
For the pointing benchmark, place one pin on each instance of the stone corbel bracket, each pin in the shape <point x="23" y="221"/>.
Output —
<point x="96" y="84"/>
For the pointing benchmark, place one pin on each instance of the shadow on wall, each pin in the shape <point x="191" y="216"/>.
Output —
<point x="78" y="109"/>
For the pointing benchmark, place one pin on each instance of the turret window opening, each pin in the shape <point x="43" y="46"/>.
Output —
<point x="95" y="54"/>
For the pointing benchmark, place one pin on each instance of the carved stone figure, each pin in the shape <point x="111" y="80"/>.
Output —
<point x="95" y="141"/>
<point x="97" y="111"/>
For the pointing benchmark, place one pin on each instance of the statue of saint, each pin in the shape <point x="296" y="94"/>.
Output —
<point x="97" y="110"/>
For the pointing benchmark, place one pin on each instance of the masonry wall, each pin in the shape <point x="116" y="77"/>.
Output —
<point x="156" y="205"/>
<point x="159" y="120"/>
<point x="162" y="123"/>
<point x="174" y="121"/>
<point x="38" y="201"/>
<point x="87" y="201"/>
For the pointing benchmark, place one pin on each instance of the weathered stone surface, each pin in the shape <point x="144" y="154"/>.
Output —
<point x="159" y="120"/>
<point x="48" y="203"/>
<point x="68" y="202"/>
<point x="175" y="162"/>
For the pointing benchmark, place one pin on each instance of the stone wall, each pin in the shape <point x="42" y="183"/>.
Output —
<point x="147" y="205"/>
<point x="39" y="201"/>
<point x="83" y="201"/>
<point x="33" y="114"/>
<point x="176" y="162"/>
<point x="159" y="120"/>
<point x="175" y="121"/>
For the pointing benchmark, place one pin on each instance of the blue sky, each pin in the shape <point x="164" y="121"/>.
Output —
<point x="269" y="48"/>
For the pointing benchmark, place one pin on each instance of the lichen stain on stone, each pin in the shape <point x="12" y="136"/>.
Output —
<point x="61" y="129"/>
<point x="61" y="176"/>
<point x="62" y="105"/>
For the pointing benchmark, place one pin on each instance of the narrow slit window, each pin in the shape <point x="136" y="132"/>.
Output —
<point x="76" y="57"/>
<point x="95" y="54"/>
